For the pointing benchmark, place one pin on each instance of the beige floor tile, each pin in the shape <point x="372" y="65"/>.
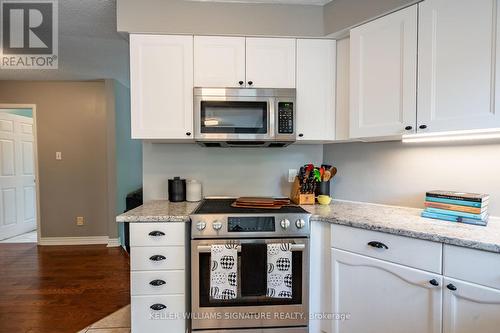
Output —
<point x="118" y="319"/>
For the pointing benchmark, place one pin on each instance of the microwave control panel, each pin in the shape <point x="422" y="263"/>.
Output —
<point x="285" y="118"/>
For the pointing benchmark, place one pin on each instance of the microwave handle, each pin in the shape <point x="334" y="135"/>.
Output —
<point x="207" y="248"/>
<point x="272" y="107"/>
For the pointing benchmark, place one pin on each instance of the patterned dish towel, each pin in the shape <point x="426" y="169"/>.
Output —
<point x="224" y="275"/>
<point x="279" y="270"/>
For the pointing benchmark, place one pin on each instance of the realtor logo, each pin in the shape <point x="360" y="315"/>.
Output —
<point x="29" y="34"/>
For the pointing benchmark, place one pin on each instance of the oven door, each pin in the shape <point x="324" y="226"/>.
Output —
<point x="226" y="118"/>
<point x="251" y="308"/>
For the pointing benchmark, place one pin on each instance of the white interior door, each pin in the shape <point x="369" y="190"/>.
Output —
<point x="17" y="176"/>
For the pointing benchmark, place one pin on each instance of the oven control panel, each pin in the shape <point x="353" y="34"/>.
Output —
<point x="241" y="226"/>
<point x="251" y="224"/>
<point x="285" y="118"/>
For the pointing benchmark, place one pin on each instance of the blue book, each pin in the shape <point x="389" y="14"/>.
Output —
<point x="455" y="213"/>
<point x="457" y="202"/>
<point x="452" y="218"/>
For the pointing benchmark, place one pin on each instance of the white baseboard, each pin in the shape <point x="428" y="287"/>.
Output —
<point x="114" y="242"/>
<point x="74" y="240"/>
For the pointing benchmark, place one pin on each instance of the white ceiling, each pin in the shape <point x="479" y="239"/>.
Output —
<point x="89" y="46"/>
<point x="283" y="2"/>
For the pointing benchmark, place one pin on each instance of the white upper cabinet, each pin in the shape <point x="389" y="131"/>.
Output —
<point x="383" y="70"/>
<point x="457" y="55"/>
<point x="316" y="60"/>
<point x="161" y="78"/>
<point x="270" y="62"/>
<point x="470" y="308"/>
<point x="219" y="61"/>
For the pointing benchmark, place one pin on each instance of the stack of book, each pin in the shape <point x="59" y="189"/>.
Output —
<point x="461" y="207"/>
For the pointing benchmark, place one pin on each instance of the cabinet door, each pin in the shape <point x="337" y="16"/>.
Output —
<point x="316" y="60"/>
<point x="470" y="308"/>
<point x="457" y="51"/>
<point x="219" y="61"/>
<point x="320" y="277"/>
<point x="161" y="80"/>
<point x="383" y="76"/>
<point x="270" y="62"/>
<point x="381" y="297"/>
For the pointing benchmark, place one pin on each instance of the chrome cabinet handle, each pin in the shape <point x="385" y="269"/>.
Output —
<point x="378" y="245"/>
<point x="157" y="257"/>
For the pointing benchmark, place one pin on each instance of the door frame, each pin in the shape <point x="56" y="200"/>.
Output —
<point x="35" y="157"/>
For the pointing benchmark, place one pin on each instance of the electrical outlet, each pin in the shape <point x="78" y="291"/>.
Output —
<point x="292" y="173"/>
<point x="80" y="220"/>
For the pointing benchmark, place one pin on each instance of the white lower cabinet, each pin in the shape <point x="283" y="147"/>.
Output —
<point x="470" y="307"/>
<point x="382" y="297"/>
<point x="151" y="314"/>
<point x="158" y="278"/>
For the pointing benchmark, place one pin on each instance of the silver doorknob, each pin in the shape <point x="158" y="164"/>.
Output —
<point x="300" y="223"/>
<point x="285" y="224"/>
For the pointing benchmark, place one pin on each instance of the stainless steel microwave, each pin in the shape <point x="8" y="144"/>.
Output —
<point x="244" y="117"/>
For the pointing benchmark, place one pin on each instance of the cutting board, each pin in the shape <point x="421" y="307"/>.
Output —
<point x="260" y="203"/>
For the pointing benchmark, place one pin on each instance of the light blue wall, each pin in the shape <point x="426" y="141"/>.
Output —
<point x="128" y="152"/>
<point x="19" y="112"/>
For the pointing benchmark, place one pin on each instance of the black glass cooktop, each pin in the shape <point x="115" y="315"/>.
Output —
<point x="223" y="206"/>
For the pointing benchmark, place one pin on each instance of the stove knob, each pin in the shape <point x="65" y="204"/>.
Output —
<point x="285" y="224"/>
<point x="300" y="223"/>
<point x="217" y="225"/>
<point x="201" y="226"/>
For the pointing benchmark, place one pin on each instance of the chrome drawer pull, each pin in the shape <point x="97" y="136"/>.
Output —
<point x="378" y="245"/>
<point x="158" y="307"/>
<point x="156" y="233"/>
<point x="157" y="257"/>
<point x="157" y="283"/>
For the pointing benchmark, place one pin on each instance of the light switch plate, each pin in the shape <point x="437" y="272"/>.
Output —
<point x="58" y="155"/>
<point x="292" y="173"/>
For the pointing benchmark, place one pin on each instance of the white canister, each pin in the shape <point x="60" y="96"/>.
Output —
<point x="193" y="190"/>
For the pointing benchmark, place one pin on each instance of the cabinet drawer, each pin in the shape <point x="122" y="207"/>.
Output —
<point x="158" y="283"/>
<point x="470" y="265"/>
<point x="168" y="258"/>
<point x="406" y="251"/>
<point x="144" y="319"/>
<point x="157" y="234"/>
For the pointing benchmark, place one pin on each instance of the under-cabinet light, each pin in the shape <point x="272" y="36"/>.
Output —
<point x="483" y="134"/>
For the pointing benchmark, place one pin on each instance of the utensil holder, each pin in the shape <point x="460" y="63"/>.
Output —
<point x="323" y="188"/>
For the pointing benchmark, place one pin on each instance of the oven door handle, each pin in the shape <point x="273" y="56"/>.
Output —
<point x="208" y="248"/>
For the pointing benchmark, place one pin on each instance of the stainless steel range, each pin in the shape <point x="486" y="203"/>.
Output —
<point x="215" y="221"/>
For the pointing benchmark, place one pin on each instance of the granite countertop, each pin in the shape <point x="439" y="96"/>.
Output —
<point x="407" y="222"/>
<point x="389" y="219"/>
<point x="159" y="211"/>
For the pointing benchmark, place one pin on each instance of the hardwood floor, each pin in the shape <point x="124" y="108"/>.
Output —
<point x="60" y="289"/>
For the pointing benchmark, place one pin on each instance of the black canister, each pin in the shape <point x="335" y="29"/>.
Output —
<point x="176" y="189"/>
<point x="323" y="188"/>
